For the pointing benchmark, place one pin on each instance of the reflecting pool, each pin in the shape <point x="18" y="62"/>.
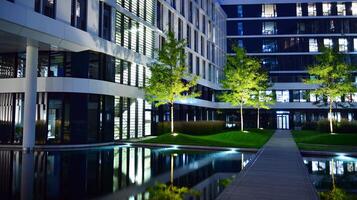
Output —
<point x="117" y="172"/>
<point x="343" y="168"/>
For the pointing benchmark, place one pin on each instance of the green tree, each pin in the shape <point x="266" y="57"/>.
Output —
<point x="241" y="80"/>
<point x="332" y="75"/>
<point x="166" y="85"/>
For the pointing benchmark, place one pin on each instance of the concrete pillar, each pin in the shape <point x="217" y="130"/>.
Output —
<point x="28" y="141"/>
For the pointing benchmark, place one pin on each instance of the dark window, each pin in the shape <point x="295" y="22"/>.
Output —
<point x="197" y="66"/>
<point x="190" y="63"/>
<point x="190" y="12"/>
<point x="79" y="14"/>
<point x="182" y="7"/>
<point x="105" y="20"/>
<point x="46" y="7"/>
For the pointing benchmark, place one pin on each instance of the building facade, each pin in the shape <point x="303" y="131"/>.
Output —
<point x="286" y="35"/>
<point x="72" y="71"/>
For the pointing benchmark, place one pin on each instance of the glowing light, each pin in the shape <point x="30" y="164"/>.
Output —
<point x="174" y="134"/>
<point x="343" y="157"/>
<point x="245" y="131"/>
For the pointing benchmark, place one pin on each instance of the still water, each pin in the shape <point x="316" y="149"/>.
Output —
<point x="343" y="168"/>
<point x="118" y="172"/>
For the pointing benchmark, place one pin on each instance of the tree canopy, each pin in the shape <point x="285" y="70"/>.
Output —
<point x="166" y="83"/>
<point x="332" y="76"/>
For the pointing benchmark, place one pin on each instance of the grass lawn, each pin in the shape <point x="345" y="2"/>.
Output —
<point x="251" y="139"/>
<point x="313" y="140"/>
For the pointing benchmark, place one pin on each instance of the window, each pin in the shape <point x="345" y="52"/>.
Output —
<point x="190" y="63"/>
<point x="354" y="8"/>
<point x="269" y="28"/>
<point x="341" y="9"/>
<point x="197" y="66"/>
<point x="326" y="9"/>
<point x="313" y="46"/>
<point x="79" y="14"/>
<point x="269" y="45"/>
<point x="342" y="44"/>
<point x="268" y="10"/>
<point x="202" y="46"/>
<point x="203" y="69"/>
<point x="282" y="95"/>
<point x="298" y="9"/>
<point x="196" y="41"/>
<point x="182" y="7"/>
<point x="311" y="9"/>
<point x="197" y="18"/>
<point x="328" y="43"/>
<point x="46" y="7"/>
<point x="355" y="44"/>
<point x="160" y="14"/>
<point x="190" y="12"/>
<point x="239" y="11"/>
<point x="180" y="29"/>
<point x="105" y="20"/>
<point x="188" y="36"/>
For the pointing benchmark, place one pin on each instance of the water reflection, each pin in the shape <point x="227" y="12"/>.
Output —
<point x="342" y="167"/>
<point x="113" y="173"/>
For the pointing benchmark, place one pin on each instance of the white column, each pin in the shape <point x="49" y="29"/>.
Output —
<point x="30" y="96"/>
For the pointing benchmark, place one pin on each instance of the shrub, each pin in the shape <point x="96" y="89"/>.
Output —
<point x="309" y="125"/>
<point x="324" y="125"/>
<point x="161" y="191"/>
<point x="336" y="194"/>
<point x="346" y="127"/>
<point x="192" y="127"/>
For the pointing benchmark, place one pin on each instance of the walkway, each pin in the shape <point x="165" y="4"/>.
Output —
<point x="277" y="173"/>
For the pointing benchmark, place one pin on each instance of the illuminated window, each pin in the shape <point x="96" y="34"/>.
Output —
<point x="341" y="9"/>
<point x="298" y="9"/>
<point x="311" y="9"/>
<point x="269" y="46"/>
<point x="355" y="44"/>
<point x="268" y="10"/>
<point x="326" y="9"/>
<point x="282" y="96"/>
<point x="354" y="8"/>
<point x="342" y="44"/>
<point x="79" y="14"/>
<point x="328" y="43"/>
<point x="269" y="28"/>
<point x="313" y="46"/>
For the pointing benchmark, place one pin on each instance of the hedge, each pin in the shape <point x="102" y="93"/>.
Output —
<point x="192" y="127"/>
<point x="344" y="126"/>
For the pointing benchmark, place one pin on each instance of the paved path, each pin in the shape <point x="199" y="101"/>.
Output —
<point x="277" y="173"/>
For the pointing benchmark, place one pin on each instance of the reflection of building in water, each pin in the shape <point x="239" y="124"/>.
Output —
<point x="124" y="172"/>
<point x="338" y="167"/>
<point x="321" y="170"/>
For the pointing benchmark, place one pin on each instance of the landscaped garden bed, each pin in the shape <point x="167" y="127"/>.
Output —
<point x="254" y="138"/>
<point x="324" y="141"/>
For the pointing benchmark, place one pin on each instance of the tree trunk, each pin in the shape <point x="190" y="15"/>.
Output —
<point x="331" y="124"/>
<point x="172" y="118"/>
<point x="258" y="125"/>
<point x="241" y="118"/>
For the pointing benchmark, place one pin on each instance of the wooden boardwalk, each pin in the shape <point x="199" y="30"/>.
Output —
<point x="277" y="173"/>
